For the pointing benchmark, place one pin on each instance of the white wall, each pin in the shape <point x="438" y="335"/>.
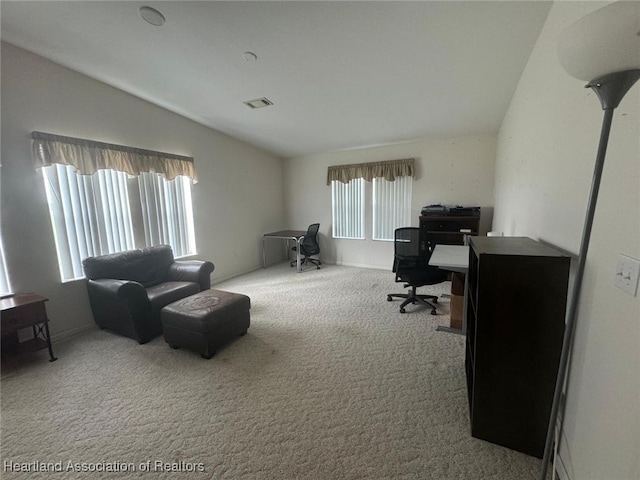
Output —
<point x="238" y="196"/>
<point x="546" y="154"/>
<point x="449" y="171"/>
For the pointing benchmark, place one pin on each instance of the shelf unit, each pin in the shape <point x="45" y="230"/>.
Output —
<point x="516" y="301"/>
<point x="445" y="229"/>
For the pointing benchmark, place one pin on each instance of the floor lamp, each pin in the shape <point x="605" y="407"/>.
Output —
<point x="602" y="48"/>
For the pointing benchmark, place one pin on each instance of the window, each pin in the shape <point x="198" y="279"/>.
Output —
<point x="105" y="198"/>
<point x="347" y="207"/>
<point x="392" y="181"/>
<point x="90" y="215"/>
<point x="167" y="212"/>
<point x="391" y="206"/>
<point x="5" y="285"/>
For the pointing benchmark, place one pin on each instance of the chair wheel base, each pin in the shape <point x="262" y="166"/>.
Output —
<point x="413" y="299"/>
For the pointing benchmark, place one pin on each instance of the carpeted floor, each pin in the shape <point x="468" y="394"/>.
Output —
<point x="331" y="382"/>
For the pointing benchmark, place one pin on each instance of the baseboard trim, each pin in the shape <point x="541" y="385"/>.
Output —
<point x="74" y="332"/>
<point x="218" y="280"/>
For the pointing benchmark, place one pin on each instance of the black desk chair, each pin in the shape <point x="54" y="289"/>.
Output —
<point x="411" y="267"/>
<point x="309" y="246"/>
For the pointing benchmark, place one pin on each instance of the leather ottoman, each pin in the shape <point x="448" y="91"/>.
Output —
<point x="205" y="321"/>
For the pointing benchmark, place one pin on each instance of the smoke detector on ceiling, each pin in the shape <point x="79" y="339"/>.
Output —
<point x="259" y="103"/>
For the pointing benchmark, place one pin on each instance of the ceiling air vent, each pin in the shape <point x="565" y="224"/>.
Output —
<point x="259" y="103"/>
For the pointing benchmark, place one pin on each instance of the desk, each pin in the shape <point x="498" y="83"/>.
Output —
<point x="454" y="258"/>
<point x="23" y="311"/>
<point x="295" y="235"/>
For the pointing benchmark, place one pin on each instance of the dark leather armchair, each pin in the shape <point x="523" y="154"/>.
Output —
<point x="127" y="290"/>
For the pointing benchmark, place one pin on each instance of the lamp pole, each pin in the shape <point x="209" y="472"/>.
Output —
<point x="611" y="89"/>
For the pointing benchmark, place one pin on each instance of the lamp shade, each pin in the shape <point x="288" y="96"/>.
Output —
<point x="605" y="41"/>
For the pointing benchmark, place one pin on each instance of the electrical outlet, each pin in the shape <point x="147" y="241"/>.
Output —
<point x="627" y="274"/>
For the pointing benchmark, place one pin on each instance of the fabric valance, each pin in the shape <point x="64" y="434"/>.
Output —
<point x="388" y="170"/>
<point x="88" y="156"/>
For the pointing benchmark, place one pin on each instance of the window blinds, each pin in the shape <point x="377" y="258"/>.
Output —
<point x="392" y="181"/>
<point x="167" y="213"/>
<point x="87" y="186"/>
<point x="5" y="284"/>
<point x="90" y="215"/>
<point x="391" y="206"/>
<point x="347" y="200"/>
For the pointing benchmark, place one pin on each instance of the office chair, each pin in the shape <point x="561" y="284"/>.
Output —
<point x="411" y="267"/>
<point x="309" y="246"/>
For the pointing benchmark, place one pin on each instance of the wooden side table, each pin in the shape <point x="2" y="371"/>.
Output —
<point x="24" y="311"/>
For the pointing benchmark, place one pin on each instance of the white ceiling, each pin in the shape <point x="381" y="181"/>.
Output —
<point x="340" y="74"/>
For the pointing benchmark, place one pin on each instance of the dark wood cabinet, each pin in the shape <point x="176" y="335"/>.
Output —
<point x="516" y="301"/>
<point x="448" y="229"/>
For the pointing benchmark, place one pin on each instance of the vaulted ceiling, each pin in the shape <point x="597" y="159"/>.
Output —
<point x="340" y="74"/>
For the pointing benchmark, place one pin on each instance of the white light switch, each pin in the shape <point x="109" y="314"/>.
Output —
<point x="627" y="274"/>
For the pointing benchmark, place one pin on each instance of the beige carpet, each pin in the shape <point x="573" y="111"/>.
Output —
<point x="331" y="382"/>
